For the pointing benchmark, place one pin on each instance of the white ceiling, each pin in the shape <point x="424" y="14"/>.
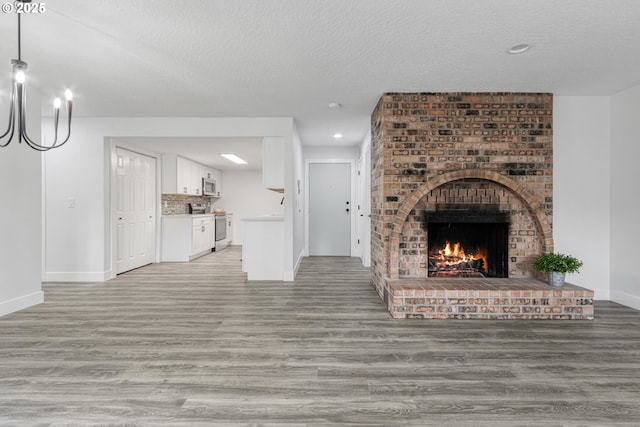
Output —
<point x="257" y="58"/>
<point x="205" y="150"/>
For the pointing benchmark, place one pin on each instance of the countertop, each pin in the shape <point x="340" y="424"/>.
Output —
<point x="271" y="217"/>
<point x="195" y="215"/>
<point x="186" y="216"/>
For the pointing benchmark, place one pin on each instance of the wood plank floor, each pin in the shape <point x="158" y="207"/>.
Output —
<point x="196" y="345"/>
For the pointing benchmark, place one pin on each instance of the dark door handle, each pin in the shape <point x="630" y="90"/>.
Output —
<point x="347" y="209"/>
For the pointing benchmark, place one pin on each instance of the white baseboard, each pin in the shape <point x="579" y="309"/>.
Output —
<point x="20" y="303"/>
<point x="290" y="276"/>
<point x="82" y="276"/>
<point x="624" y="298"/>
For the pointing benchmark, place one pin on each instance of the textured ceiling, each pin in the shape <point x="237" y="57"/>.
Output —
<point x="257" y="58"/>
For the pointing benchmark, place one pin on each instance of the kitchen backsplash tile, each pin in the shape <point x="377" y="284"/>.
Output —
<point x="178" y="204"/>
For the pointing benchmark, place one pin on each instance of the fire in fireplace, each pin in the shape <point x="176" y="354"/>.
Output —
<point x="467" y="243"/>
<point x="453" y="261"/>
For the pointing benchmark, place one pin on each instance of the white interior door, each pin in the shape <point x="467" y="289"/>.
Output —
<point x="330" y="209"/>
<point x="135" y="219"/>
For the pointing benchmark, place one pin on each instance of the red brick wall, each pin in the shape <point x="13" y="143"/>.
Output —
<point x="419" y="137"/>
<point x="379" y="268"/>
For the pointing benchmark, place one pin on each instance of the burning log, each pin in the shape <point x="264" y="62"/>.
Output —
<point x="453" y="262"/>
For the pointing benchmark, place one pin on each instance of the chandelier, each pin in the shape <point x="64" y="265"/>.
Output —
<point x="18" y="102"/>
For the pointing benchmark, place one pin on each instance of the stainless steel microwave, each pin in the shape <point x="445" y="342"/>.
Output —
<point x="209" y="187"/>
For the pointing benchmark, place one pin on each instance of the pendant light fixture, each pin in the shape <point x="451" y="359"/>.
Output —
<point x="18" y="103"/>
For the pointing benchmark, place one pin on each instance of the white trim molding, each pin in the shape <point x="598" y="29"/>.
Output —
<point x="77" y="276"/>
<point x="624" y="298"/>
<point x="20" y="303"/>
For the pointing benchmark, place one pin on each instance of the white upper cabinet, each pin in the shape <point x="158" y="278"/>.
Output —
<point x="273" y="163"/>
<point x="209" y="172"/>
<point x="183" y="176"/>
<point x="196" y="172"/>
<point x="171" y="174"/>
<point x="217" y="176"/>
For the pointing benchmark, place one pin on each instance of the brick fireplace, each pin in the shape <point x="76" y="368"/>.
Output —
<point x="464" y="160"/>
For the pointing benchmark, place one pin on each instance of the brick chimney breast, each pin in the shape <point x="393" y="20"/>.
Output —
<point x="441" y="150"/>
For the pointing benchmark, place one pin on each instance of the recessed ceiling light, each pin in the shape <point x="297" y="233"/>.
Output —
<point x="337" y="135"/>
<point x="335" y="105"/>
<point x="234" y="159"/>
<point x="519" y="48"/>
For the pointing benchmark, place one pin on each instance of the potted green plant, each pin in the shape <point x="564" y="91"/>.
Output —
<point x="556" y="266"/>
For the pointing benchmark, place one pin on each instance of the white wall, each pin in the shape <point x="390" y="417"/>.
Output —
<point x="581" y="187"/>
<point x="77" y="243"/>
<point x="245" y="197"/>
<point x="332" y="152"/>
<point x="21" y="216"/>
<point x="625" y="197"/>
<point x="365" y="224"/>
<point x="297" y="197"/>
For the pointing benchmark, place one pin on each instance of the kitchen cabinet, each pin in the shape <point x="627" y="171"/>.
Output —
<point x="273" y="163"/>
<point x="177" y="177"/>
<point x="202" y="238"/>
<point x="209" y="172"/>
<point x="186" y="180"/>
<point x="186" y="237"/>
<point x="217" y="176"/>
<point x="183" y="176"/>
<point x="196" y="172"/>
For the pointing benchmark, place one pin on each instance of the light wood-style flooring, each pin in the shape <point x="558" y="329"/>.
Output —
<point x="196" y="345"/>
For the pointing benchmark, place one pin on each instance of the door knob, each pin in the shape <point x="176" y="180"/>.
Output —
<point x="347" y="209"/>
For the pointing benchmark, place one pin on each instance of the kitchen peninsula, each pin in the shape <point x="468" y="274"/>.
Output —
<point x="262" y="247"/>
<point x="186" y="237"/>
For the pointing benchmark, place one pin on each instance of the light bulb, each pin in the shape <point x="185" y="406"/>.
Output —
<point x="68" y="94"/>
<point x="20" y="76"/>
<point x="57" y="103"/>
